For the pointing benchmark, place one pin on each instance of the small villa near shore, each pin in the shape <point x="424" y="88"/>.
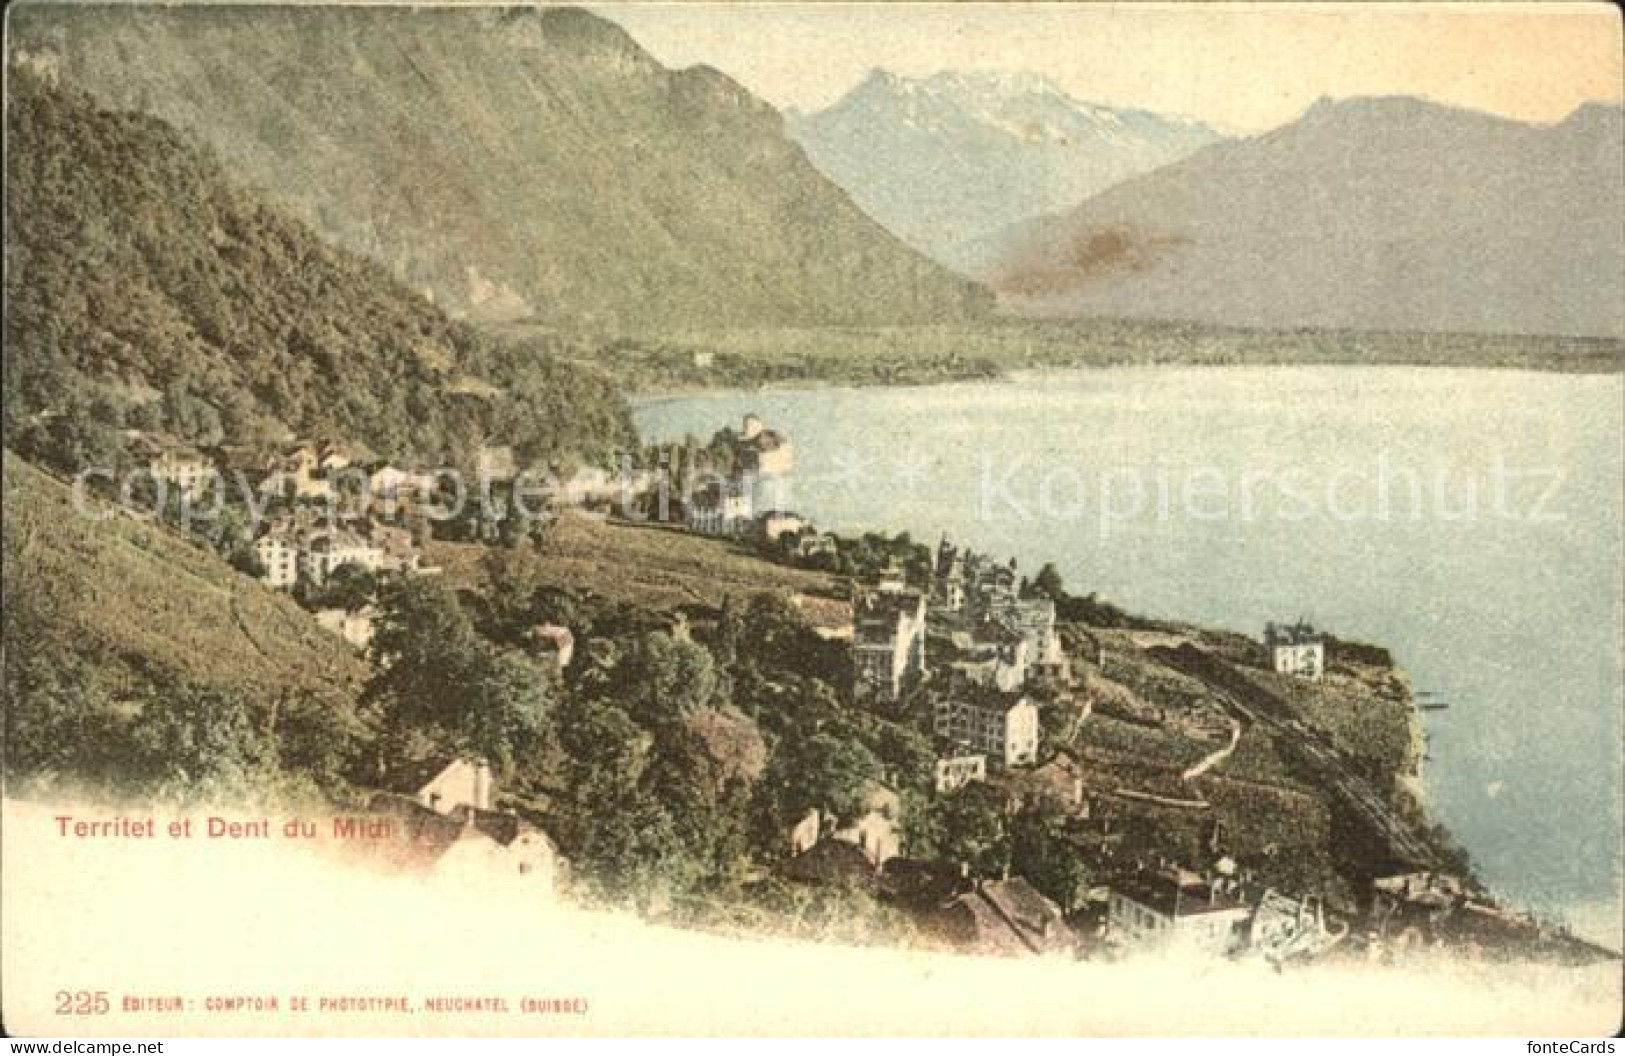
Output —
<point x="1296" y="649"/>
<point x="1158" y="911"/>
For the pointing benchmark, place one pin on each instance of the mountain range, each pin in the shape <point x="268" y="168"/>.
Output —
<point x="511" y="163"/>
<point x="536" y="164"/>
<point x="1370" y="214"/>
<point x="948" y="161"/>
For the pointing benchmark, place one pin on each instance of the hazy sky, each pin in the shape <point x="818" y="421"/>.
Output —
<point x="1242" y="67"/>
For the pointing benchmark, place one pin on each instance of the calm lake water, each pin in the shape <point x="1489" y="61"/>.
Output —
<point x="1469" y="521"/>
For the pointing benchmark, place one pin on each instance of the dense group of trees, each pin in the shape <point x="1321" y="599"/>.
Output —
<point x="673" y="759"/>
<point x="69" y="733"/>
<point x="439" y="685"/>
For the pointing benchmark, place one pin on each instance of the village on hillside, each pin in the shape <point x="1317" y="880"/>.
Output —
<point x="966" y="651"/>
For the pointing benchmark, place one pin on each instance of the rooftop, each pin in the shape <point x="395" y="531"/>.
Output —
<point x="1299" y="633"/>
<point x="879" y="610"/>
<point x="1011" y="917"/>
<point x="1162" y="894"/>
<point x="830" y="861"/>
<point x="551" y="634"/>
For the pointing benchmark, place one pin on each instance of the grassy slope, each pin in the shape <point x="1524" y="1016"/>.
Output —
<point x="657" y="568"/>
<point x="1264" y="808"/>
<point x="147" y="607"/>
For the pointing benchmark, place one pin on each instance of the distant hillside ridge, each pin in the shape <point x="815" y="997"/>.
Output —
<point x="145" y="290"/>
<point x="951" y="161"/>
<point x="1364" y="214"/>
<point x="510" y="162"/>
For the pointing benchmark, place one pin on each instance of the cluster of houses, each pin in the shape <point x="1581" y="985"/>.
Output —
<point x="1001" y="646"/>
<point x="436" y="818"/>
<point x="888" y="640"/>
<point x="300" y="544"/>
<point x="991" y="649"/>
<point x="291" y="552"/>
<point x="1158" y="907"/>
<point x="322" y="471"/>
<point x="1007" y="916"/>
<point x="297" y="471"/>
<point x="1167" y="908"/>
<point x="296" y="547"/>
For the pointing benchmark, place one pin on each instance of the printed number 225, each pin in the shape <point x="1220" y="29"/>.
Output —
<point x="81" y="1002"/>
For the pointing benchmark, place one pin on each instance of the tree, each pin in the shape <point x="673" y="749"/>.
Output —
<point x="905" y="752"/>
<point x="1049" y="583"/>
<point x="513" y="579"/>
<point x="419" y="623"/>
<point x="637" y="855"/>
<point x="314" y="738"/>
<point x="730" y="630"/>
<point x="709" y="810"/>
<point x="58" y="724"/>
<point x="822" y="771"/>
<point x="200" y="744"/>
<point x="663" y="678"/>
<point x="769" y="630"/>
<point x="189" y="415"/>
<point x="507" y="707"/>
<point x="349" y="587"/>
<point x="605" y="752"/>
<point x="774" y="637"/>
<point x="73" y="437"/>
<point x="1051" y="864"/>
<point x="969" y="826"/>
<point x="437" y="678"/>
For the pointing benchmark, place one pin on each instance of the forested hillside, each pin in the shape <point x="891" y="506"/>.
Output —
<point x="144" y="289"/>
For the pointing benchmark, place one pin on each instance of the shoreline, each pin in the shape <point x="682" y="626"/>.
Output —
<point x="655" y="365"/>
<point x="1018" y="375"/>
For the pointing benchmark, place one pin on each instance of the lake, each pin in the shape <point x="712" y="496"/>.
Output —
<point x="1469" y="521"/>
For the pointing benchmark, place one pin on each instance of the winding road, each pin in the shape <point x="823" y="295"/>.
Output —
<point x="1309" y="750"/>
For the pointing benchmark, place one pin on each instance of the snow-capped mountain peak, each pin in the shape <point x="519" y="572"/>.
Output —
<point x="951" y="157"/>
